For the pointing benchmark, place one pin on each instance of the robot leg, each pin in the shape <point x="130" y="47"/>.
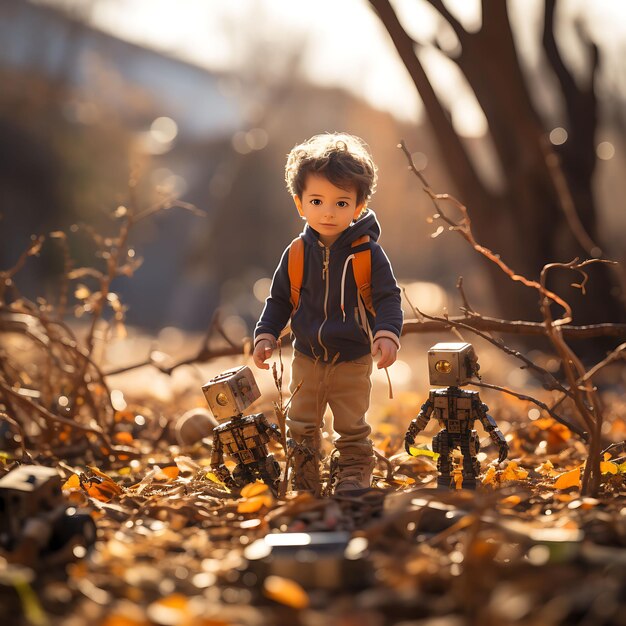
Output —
<point x="242" y="476"/>
<point x="471" y="465"/>
<point x="441" y="445"/>
<point x="270" y="473"/>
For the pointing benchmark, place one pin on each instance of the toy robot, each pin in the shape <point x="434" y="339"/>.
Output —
<point x="36" y="522"/>
<point x="453" y="365"/>
<point x="243" y="437"/>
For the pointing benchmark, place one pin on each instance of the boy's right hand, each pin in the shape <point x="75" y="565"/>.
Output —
<point x="263" y="351"/>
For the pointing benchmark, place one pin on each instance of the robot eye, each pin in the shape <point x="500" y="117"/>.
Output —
<point x="444" y="367"/>
<point x="222" y="399"/>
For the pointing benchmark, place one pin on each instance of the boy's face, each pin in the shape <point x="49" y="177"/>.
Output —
<point x="326" y="208"/>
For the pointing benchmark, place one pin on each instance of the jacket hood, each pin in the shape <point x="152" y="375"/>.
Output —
<point x="367" y="224"/>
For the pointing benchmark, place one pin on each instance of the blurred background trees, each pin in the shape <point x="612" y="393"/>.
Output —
<point x="512" y="131"/>
<point x="538" y="204"/>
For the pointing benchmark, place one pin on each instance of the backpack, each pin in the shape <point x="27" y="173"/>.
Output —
<point x="361" y="266"/>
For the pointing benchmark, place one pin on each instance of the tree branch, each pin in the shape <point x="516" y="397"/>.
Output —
<point x="461" y="33"/>
<point x="460" y="163"/>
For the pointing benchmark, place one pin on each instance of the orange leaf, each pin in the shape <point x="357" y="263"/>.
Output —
<point x="169" y="472"/>
<point x="252" y="505"/>
<point x="123" y="437"/>
<point x="547" y="469"/>
<point x="253" y="489"/>
<point x="513" y="472"/>
<point x="568" y="479"/>
<point x="606" y="467"/>
<point x="511" y="501"/>
<point x="73" y="482"/>
<point x="103" y="491"/>
<point x="285" y="591"/>
<point x="490" y="476"/>
<point x="458" y="479"/>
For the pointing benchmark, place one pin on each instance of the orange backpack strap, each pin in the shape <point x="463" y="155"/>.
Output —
<point x="362" y="268"/>
<point x="295" y="267"/>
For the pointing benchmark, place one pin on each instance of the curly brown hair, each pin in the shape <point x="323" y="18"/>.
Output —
<point x="342" y="158"/>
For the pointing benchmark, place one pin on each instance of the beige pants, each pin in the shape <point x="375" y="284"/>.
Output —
<point x="345" y="387"/>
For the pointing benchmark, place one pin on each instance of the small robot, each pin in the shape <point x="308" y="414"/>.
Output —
<point x="36" y="522"/>
<point x="243" y="437"/>
<point x="453" y="365"/>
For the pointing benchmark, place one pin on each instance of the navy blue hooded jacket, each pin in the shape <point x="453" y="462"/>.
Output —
<point x="318" y="324"/>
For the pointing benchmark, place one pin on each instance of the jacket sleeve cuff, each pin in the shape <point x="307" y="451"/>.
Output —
<point x="265" y="336"/>
<point x="389" y="335"/>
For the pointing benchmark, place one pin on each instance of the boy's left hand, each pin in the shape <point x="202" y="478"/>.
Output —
<point x="388" y="350"/>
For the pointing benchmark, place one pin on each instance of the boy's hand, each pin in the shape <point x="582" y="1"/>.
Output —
<point x="388" y="350"/>
<point x="262" y="351"/>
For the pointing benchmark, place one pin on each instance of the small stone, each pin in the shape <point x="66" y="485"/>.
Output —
<point x="194" y="425"/>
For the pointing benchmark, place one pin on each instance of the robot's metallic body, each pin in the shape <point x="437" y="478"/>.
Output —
<point x="456" y="410"/>
<point x="243" y="437"/>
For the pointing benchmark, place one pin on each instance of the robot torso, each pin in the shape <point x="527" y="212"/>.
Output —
<point x="454" y="409"/>
<point x="244" y="438"/>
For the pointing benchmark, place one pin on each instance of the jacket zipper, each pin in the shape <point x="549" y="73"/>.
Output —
<point x="325" y="264"/>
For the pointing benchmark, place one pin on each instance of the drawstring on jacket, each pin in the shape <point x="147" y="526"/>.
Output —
<point x="343" y="284"/>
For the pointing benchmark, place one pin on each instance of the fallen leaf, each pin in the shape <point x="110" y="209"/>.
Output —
<point x="513" y="472"/>
<point x="123" y="437"/>
<point x="568" y="479"/>
<point x="253" y="489"/>
<point x="490" y="476"/>
<point x="254" y="504"/>
<point x="73" y="482"/>
<point x="511" y="501"/>
<point x="607" y="467"/>
<point x="213" y="478"/>
<point x="423" y="452"/>
<point x="169" y="472"/>
<point x="285" y="591"/>
<point x="547" y="469"/>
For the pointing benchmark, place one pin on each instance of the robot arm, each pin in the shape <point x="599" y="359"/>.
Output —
<point x="217" y="462"/>
<point x="489" y="424"/>
<point x="272" y="430"/>
<point x="418" y="424"/>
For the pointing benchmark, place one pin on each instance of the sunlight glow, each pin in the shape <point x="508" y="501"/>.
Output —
<point x="558" y="136"/>
<point x="164" y="129"/>
<point x="428" y="297"/>
<point x="605" y="151"/>
<point x="343" y="44"/>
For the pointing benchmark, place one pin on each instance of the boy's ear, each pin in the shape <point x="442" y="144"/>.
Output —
<point x="360" y="208"/>
<point x="298" y="202"/>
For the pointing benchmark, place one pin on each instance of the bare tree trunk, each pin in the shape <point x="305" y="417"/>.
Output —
<point x="545" y="211"/>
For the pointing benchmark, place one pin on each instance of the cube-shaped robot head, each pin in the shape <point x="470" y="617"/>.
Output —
<point x="231" y="393"/>
<point x="452" y="364"/>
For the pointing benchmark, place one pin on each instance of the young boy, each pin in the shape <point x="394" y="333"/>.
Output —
<point x="331" y="178"/>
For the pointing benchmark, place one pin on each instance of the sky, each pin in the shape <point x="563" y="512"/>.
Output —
<point x="342" y="43"/>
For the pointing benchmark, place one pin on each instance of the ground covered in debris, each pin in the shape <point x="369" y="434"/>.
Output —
<point x="176" y="547"/>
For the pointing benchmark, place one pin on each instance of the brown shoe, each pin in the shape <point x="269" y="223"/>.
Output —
<point x="306" y="466"/>
<point x="354" y="473"/>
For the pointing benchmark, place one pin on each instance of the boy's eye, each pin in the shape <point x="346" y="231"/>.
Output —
<point x="342" y="203"/>
<point x="316" y="201"/>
